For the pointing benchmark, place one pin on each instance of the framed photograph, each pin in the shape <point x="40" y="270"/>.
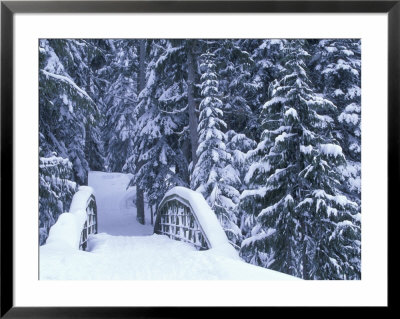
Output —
<point x="159" y="155"/>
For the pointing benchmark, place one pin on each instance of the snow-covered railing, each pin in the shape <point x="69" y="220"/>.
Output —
<point x="73" y="229"/>
<point x="185" y="215"/>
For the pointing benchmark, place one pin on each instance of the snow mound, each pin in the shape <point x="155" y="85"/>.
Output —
<point x="66" y="232"/>
<point x="208" y="221"/>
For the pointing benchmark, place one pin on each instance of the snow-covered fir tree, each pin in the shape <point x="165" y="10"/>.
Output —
<point x="55" y="191"/>
<point x="68" y="128"/>
<point x="83" y="61"/>
<point x="120" y="103"/>
<point x="238" y="85"/>
<point x="213" y="174"/>
<point x="265" y="57"/>
<point x="158" y="159"/>
<point x="337" y="64"/>
<point x="64" y="111"/>
<point x="295" y="181"/>
<point x="237" y="146"/>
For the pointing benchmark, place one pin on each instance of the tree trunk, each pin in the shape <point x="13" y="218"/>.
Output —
<point x="305" y="259"/>
<point x="142" y="65"/>
<point x="191" y="105"/>
<point x="151" y="212"/>
<point x="186" y="150"/>
<point x="142" y="82"/>
<point x="140" y="205"/>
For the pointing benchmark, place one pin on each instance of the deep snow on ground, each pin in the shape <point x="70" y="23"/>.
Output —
<point x="145" y="257"/>
<point x="125" y="250"/>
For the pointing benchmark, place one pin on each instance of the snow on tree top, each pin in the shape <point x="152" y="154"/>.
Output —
<point x="306" y="149"/>
<point x="349" y="118"/>
<point x="275" y="99"/>
<point x="292" y="112"/>
<point x="353" y="92"/>
<point x="338" y="199"/>
<point x="258" y="237"/>
<point x="331" y="150"/>
<point x="283" y="136"/>
<point x="331" y="49"/>
<point x="81" y="92"/>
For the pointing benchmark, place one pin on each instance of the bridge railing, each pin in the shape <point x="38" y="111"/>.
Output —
<point x="74" y="228"/>
<point x="90" y="226"/>
<point x="177" y="220"/>
<point x="184" y="215"/>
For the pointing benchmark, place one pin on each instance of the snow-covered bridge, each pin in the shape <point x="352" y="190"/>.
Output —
<point x="100" y="239"/>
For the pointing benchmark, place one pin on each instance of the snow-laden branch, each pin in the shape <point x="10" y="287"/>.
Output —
<point x="68" y="81"/>
<point x="173" y="112"/>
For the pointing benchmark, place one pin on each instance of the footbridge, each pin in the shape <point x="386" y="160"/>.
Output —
<point x="186" y="242"/>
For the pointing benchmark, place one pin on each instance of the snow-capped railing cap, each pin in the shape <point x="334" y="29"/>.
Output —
<point x="80" y="199"/>
<point x="207" y="219"/>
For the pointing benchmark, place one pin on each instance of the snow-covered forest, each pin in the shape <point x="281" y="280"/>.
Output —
<point x="268" y="131"/>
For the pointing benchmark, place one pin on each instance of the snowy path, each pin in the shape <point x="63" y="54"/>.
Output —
<point x="125" y="250"/>
<point x="116" y="213"/>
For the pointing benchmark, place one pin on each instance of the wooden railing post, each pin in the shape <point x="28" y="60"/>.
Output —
<point x="90" y="226"/>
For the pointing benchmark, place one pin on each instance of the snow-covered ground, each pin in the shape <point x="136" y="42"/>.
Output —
<point x="145" y="257"/>
<point x="126" y="250"/>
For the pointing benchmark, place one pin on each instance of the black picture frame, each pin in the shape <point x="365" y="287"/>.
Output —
<point x="9" y="8"/>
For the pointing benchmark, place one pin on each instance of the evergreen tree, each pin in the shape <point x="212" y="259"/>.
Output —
<point x="55" y="192"/>
<point x="121" y="101"/>
<point x="83" y="61"/>
<point x="237" y="146"/>
<point x="67" y="128"/>
<point x="213" y="174"/>
<point x="337" y="66"/>
<point x="65" y="110"/>
<point x="159" y="161"/>
<point x="266" y="56"/>
<point x="238" y="84"/>
<point x="97" y="76"/>
<point x="296" y="181"/>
